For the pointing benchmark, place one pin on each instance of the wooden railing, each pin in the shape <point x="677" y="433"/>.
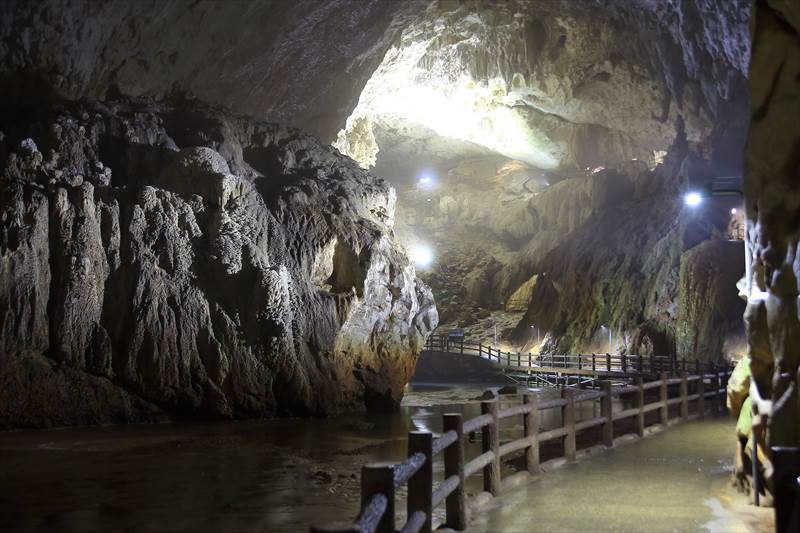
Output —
<point x="620" y="364"/>
<point x="380" y="482"/>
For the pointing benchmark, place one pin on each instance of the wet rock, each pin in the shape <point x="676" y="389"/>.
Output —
<point x="321" y="476"/>
<point x="487" y="395"/>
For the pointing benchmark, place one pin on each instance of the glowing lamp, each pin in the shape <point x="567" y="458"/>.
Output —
<point x="426" y="181"/>
<point x="733" y="210"/>
<point x="693" y="199"/>
<point x="422" y="255"/>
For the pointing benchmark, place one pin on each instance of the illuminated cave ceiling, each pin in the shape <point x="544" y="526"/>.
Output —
<point x="549" y="82"/>
<point x="553" y="84"/>
<point x="462" y="88"/>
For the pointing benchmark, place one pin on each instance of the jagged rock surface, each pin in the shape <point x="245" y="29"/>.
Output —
<point x="543" y="82"/>
<point x="772" y="190"/>
<point x="177" y="260"/>
<point x="301" y="63"/>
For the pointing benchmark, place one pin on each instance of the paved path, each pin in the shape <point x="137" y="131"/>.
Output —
<point x="677" y="480"/>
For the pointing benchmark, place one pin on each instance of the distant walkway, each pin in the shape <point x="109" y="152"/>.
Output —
<point x="678" y="480"/>
<point x="570" y="369"/>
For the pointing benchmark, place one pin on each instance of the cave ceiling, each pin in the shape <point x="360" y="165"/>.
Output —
<point x="512" y="130"/>
<point x="556" y="84"/>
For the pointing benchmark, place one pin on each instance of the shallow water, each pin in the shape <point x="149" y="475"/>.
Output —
<point x="272" y="475"/>
<point x="677" y="480"/>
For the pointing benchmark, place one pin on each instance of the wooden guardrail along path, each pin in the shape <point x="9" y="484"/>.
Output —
<point x="380" y="482"/>
<point x="588" y="365"/>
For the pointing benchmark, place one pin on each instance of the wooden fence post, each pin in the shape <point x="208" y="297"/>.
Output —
<point x="624" y="364"/>
<point x="530" y="424"/>
<point x="701" y="396"/>
<point x="641" y="364"/>
<point x="456" y="502"/>
<point x="608" y="362"/>
<point x="697" y="367"/>
<point x="639" y="382"/>
<point x="568" y="417"/>
<point x="606" y="407"/>
<point x="420" y="486"/>
<point x="684" y="396"/>
<point x="579" y="362"/>
<point x="378" y="478"/>
<point x="491" y="443"/>
<point x="594" y="363"/>
<point x="663" y="396"/>
<point x="715" y="400"/>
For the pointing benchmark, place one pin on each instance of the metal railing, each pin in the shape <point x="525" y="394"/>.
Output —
<point x="380" y="482"/>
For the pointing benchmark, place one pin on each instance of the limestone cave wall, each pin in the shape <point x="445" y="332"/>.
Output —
<point x="563" y="134"/>
<point x="173" y="259"/>
<point x="772" y="180"/>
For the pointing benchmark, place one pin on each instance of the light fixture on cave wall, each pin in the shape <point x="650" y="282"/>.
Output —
<point x="427" y="180"/>
<point x="421" y="255"/>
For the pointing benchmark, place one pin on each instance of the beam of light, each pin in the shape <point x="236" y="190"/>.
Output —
<point x="693" y="199"/>
<point x="422" y="255"/>
<point x="733" y="210"/>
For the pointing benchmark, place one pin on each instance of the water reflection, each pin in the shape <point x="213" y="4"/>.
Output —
<point x="274" y="475"/>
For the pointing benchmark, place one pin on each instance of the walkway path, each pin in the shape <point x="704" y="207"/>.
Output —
<point x="677" y="480"/>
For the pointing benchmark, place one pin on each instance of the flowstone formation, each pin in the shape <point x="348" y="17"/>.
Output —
<point x="176" y="260"/>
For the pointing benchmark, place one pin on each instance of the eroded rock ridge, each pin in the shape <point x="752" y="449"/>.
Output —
<point x="173" y="259"/>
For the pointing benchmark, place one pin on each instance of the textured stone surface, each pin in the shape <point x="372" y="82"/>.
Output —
<point x="300" y="63"/>
<point x="773" y="217"/>
<point x="177" y="259"/>
<point x="545" y="82"/>
<point x="709" y="308"/>
<point x="556" y="83"/>
<point x="548" y="68"/>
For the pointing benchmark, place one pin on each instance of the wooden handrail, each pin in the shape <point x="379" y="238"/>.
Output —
<point x="626" y="364"/>
<point x="380" y="482"/>
<point x="406" y="469"/>
<point x="477" y="423"/>
<point x="444" y="441"/>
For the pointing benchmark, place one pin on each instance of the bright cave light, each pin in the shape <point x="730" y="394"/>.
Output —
<point x="426" y="180"/>
<point x="422" y="255"/>
<point x="733" y="210"/>
<point x="693" y="199"/>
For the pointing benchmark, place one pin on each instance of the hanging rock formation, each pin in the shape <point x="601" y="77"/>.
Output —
<point x="161" y="259"/>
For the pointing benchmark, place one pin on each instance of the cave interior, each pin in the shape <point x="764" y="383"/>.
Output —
<point x="265" y="209"/>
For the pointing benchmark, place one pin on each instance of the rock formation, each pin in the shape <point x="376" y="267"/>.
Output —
<point x="541" y="82"/>
<point x="299" y="63"/>
<point x="549" y="123"/>
<point x="773" y="222"/>
<point x="173" y="259"/>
